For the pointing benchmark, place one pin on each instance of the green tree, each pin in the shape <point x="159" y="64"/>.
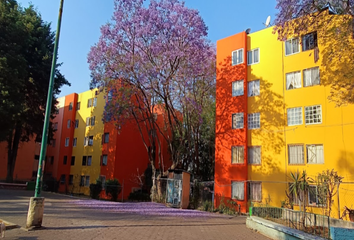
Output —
<point x="26" y="51"/>
<point x="113" y="189"/>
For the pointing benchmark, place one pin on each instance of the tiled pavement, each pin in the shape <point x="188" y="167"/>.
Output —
<point x="72" y="218"/>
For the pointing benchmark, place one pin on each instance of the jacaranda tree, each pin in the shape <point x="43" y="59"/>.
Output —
<point x="154" y="60"/>
<point x="334" y="24"/>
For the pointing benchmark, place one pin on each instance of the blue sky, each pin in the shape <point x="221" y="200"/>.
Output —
<point x="82" y="20"/>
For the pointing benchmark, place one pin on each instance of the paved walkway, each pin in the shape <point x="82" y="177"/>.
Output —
<point x="71" y="218"/>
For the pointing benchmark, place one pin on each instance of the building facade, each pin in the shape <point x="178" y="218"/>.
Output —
<point x="85" y="149"/>
<point x="273" y="118"/>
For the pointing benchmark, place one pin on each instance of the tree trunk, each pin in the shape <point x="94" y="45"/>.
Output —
<point x="12" y="146"/>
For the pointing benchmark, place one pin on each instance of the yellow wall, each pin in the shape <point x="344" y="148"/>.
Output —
<point x="80" y="150"/>
<point x="335" y="132"/>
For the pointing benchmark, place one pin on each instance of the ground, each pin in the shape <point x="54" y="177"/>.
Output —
<point x="66" y="217"/>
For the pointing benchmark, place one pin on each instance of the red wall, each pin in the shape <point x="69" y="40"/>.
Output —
<point x="226" y="105"/>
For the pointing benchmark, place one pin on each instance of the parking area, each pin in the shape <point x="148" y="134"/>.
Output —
<point x="66" y="217"/>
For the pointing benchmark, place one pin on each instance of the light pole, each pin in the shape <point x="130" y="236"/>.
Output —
<point x="36" y="207"/>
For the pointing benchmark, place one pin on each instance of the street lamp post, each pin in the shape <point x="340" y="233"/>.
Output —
<point x="36" y="207"/>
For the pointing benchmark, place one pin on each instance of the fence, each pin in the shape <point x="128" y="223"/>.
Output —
<point x="311" y="223"/>
<point x="202" y="195"/>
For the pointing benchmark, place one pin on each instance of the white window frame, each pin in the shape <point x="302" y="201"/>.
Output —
<point x="292" y="116"/>
<point x="235" y="60"/>
<point x="254" y="120"/>
<point x="67" y="142"/>
<point x="237" y="117"/>
<point x="254" y="155"/>
<point x="237" y="88"/>
<point x="252" y="53"/>
<point x="252" y="189"/>
<point x="299" y="159"/>
<point x="291" y="79"/>
<point x="236" y="185"/>
<point x="291" y="41"/>
<point x="253" y="88"/>
<point x="315" y="154"/>
<point x="313" y="115"/>
<point x="314" y="75"/>
<point x="239" y="153"/>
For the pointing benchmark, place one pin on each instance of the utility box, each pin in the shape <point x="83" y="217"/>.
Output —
<point x="178" y="188"/>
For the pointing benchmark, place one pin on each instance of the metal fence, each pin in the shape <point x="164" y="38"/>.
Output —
<point x="311" y="223"/>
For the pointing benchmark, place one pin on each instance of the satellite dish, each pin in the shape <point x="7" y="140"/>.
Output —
<point x="267" y="21"/>
<point x="248" y="30"/>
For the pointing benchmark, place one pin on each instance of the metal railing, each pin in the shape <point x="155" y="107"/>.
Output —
<point x="318" y="225"/>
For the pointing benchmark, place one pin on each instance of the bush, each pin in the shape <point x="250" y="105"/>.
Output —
<point x="95" y="189"/>
<point x="207" y="206"/>
<point x="139" y="196"/>
<point x="113" y="189"/>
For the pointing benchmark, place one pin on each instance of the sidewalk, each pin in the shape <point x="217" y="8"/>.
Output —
<point x="72" y="218"/>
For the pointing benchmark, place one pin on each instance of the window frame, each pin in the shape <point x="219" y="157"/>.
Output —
<point x="74" y="142"/>
<point x="311" y="69"/>
<point x="87" y="181"/>
<point x="76" y="123"/>
<point x="307" y="154"/>
<point x="237" y="115"/>
<point x="71" y="179"/>
<point x="250" y="195"/>
<point x="303" y="154"/>
<point x="84" y="161"/>
<point x="238" y="157"/>
<point x="292" y="50"/>
<point x="251" y="118"/>
<point x="232" y="189"/>
<point x="252" y="52"/>
<point x="238" y="92"/>
<point x="104" y="157"/>
<point x="237" y="52"/>
<point x="70" y="106"/>
<point x="72" y="162"/>
<point x="287" y="116"/>
<point x="89" y="161"/>
<point x="304" y="43"/>
<point x="78" y="105"/>
<point x="92" y="121"/>
<point x="286" y="80"/>
<point x="65" y="160"/>
<point x="68" y="124"/>
<point x="249" y="87"/>
<point x="249" y="155"/>
<point x="319" y="114"/>
<point x="67" y="142"/>
<point x="106" y="137"/>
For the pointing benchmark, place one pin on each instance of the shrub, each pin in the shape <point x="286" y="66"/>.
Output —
<point x="139" y="196"/>
<point x="113" y="189"/>
<point x="207" y="206"/>
<point x="95" y="189"/>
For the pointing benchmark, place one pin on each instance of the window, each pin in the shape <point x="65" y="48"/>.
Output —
<point x="87" y="181"/>
<point x="89" y="102"/>
<point x="316" y="196"/>
<point x="56" y="111"/>
<point x="89" y="160"/>
<point x="313" y="114"/>
<point x="71" y="179"/>
<point x="237" y="88"/>
<point x="90" y="140"/>
<point x="309" y="41"/>
<point x="296" y="154"/>
<point x="52" y="160"/>
<point x="254" y="155"/>
<point x="292" y="46"/>
<point x="253" y="56"/>
<point x="36" y="157"/>
<point x="104" y="160"/>
<point x="65" y="160"/>
<point x="84" y="160"/>
<point x="76" y="123"/>
<point x="106" y="138"/>
<point x="237" y="120"/>
<point x="254" y="120"/>
<point x="315" y="153"/>
<point x="62" y="179"/>
<point x="110" y="95"/>
<point x="82" y="181"/>
<point x="255" y="191"/>
<point x="93" y="121"/>
<point x="88" y="119"/>
<point x="67" y="142"/>
<point x="53" y="142"/>
<point x="55" y="126"/>
<point x="78" y="106"/>
<point x="237" y="57"/>
<point x="294" y="116"/>
<point x="74" y="142"/>
<point x="237" y="190"/>
<point x="293" y="80"/>
<point x="95" y="102"/>
<point x="70" y="106"/>
<point x="253" y="88"/>
<point x="311" y="76"/>
<point x="72" y="160"/>
<point x="68" y="124"/>
<point x="237" y="154"/>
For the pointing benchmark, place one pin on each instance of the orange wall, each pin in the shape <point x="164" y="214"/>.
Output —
<point x="226" y="105"/>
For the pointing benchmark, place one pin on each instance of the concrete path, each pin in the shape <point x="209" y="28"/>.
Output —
<point x="72" y="218"/>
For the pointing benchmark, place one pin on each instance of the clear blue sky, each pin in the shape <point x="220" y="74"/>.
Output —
<point x="82" y="20"/>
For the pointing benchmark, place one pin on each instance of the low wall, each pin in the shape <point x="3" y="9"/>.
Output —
<point x="277" y="231"/>
<point x="340" y="233"/>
